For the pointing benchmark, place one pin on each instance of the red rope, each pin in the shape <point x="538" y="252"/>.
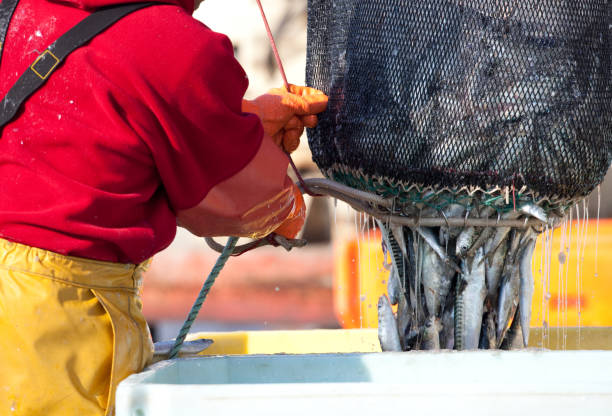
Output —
<point x="282" y="71"/>
<point x="273" y="44"/>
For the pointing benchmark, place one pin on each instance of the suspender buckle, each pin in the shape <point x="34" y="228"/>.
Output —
<point x="44" y="64"/>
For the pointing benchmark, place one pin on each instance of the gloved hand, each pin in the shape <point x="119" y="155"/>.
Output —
<point x="295" y="221"/>
<point x="284" y="114"/>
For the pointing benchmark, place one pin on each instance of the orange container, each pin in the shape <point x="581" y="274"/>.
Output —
<point x="359" y="280"/>
<point x="577" y="291"/>
<point x="573" y="288"/>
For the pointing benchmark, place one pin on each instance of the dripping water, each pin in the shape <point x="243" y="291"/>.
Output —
<point x="597" y="229"/>
<point x="562" y="262"/>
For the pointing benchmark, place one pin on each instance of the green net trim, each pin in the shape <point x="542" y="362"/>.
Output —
<point x="415" y="195"/>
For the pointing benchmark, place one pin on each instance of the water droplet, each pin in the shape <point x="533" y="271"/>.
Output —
<point x="562" y="258"/>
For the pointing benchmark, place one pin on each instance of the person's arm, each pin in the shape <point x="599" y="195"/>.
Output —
<point x="252" y="203"/>
<point x="220" y="170"/>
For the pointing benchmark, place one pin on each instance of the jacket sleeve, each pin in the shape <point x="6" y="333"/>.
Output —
<point x="252" y="203"/>
<point x="203" y="136"/>
<point x="221" y="175"/>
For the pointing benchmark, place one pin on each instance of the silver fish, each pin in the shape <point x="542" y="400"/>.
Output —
<point x="494" y="268"/>
<point x="526" y="288"/>
<point x="387" y="326"/>
<point x="465" y="240"/>
<point x="471" y="238"/>
<point x="480" y="241"/>
<point x="393" y="286"/>
<point x="437" y="279"/>
<point x="509" y="291"/>
<point x="513" y="339"/>
<point x="431" y="334"/>
<point x="490" y="333"/>
<point x="448" y="233"/>
<point x="428" y="235"/>
<point x="473" y="297"/>
<point x="189" y="348"/>
<point x="447" y="334"/>
<point x="500" y="234"/>
<point x="404" y="319"/>
<point x="398" y="234"/>
<point x="534" y="211"/>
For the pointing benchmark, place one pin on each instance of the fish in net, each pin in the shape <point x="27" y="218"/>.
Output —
<point x="479" y="113"/>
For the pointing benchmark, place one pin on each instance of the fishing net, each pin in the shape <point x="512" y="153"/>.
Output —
<point x="474" y="95"/>
<point x="464" y="113"/>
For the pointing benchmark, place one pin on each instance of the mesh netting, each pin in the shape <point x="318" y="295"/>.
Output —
<point x="478" y="93"/>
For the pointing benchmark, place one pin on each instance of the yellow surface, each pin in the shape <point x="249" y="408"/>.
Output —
<point x="321" y="341"/>
<point x="578" y="293"/>
<point x="589" y="338"/>
<point x="315" y="341"/>
<point x="359" y="280"/>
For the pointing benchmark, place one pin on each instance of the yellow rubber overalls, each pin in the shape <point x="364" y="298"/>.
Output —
<point x="70" y="330"/>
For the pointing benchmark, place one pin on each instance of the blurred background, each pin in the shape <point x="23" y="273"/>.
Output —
<point x="336" y="280"/>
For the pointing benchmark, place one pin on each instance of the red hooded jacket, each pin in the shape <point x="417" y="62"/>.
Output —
<point x="134" y="127"/>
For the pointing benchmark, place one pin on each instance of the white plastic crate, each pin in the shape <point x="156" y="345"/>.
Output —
<point x="424" y="383"/>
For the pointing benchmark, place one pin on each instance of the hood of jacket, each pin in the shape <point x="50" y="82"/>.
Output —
<point x="188" y="5"/>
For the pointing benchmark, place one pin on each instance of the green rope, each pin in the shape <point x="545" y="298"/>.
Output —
<point x="195" y="309"/>
<point x="389" y="189"/>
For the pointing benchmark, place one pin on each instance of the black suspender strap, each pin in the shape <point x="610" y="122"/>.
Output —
<point x="7" y="7"/>
<point x="38" y="72"/>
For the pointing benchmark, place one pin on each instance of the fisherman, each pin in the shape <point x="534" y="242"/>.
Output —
<point x="141" y="128"/>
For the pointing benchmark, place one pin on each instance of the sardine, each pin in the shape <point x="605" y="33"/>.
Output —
<point x="465" y="240"/>
<point x="509" y="291"/>
<point x="489" y="327"/>
<point x="387" y="326"/>
<point x="448" y="233"/>
<point x="428" y="235"/>
<point x="526" y="288"/>
<point x="404" y="319"/>
<point x="494" y="268"/>
<point x="398" y="234"/>
<point x="189" y="348"/>
<point x="469" y="239"/>
<point x="393" y="286"/>
<point x="447" y="334"/>
<point x="437" y="279"/>
<point x="534" y="211"/>
<point x="513" y="339"/>
<point x="500" y="234"/>
<point x="473" y="297"/>
<point x="431" y="334"/>
<point x="480" y="241"/>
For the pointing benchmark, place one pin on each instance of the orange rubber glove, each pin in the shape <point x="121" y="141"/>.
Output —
<point x="284" y="114"/>
<point x="295" y="221"/>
